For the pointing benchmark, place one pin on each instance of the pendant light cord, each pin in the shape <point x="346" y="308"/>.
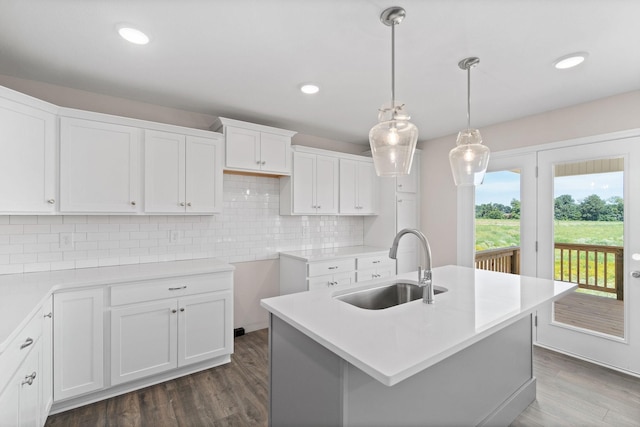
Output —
<point x="469" y="97"/>
<point x="393" y="67"/>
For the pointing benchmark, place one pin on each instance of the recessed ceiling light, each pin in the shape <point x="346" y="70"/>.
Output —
<point x="309" y="89"/>
<point x="570" y="61"/>
<point x="133" y="35"/>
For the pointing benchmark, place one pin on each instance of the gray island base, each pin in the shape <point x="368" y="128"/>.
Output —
<point x="488" y="383"/>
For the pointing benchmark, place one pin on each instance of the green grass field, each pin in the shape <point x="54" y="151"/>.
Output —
<point x="500" y="233"/>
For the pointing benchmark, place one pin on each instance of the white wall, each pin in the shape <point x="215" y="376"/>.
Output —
<point x="439" y="204"/>
<point x="249" y="233"/>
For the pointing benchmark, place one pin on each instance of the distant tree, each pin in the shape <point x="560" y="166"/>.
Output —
<point x="565" y="208"/>
<point x="492" y="211"/>
<point x="515" y="209"/>
<point x="614" y="209"/>
<point x="593" y="208"/>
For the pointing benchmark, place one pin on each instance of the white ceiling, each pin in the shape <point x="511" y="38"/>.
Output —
<point x="245" y="59"/>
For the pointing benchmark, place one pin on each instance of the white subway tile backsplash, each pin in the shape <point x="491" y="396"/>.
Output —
<point x="250" y="228"/>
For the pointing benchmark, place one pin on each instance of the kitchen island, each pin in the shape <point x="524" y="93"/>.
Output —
<point x="465" y="360"/>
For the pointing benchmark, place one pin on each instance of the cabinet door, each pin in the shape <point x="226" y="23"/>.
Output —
<point x="242" y="148"/>
<point x="303" y="181"/>
<point x="99" y="167"/>
<point x="164" y="172"/>
<point x="326" y="184"/>
<point x="367" y="188"/>
<point x="407" y="217"/>
<point x="143" y="340"/>
<point x="20" y="401"/>
<point x="29" y="380"/>
<point x="205" y="327"/>
<point x="78" y="343"/>
<point x="274" y="153"/>
<point x="204" y="175"/>
<point x="409" y="183"/>
<point x="46" y="371"/>
<point x="27" y="163"/>
<point x="348" y="187"/>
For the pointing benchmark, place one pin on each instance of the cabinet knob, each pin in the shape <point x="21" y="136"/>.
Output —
<point x="181" y="203"/>
<point x="258" y="162"/>
<point x="182" y="309"/>
<point x="399" y="200"/>
<point x="29" y="379"/>
<point x="189" y="204"/>
<point x="51" y="201"/>
<point x="49" y="315"/>
<point x="319" y="207"/>
<point x="174" y="311"/>
<point x="399" y="185"/>
<point x="263" y="162"/>
<point x="133" y="203"/>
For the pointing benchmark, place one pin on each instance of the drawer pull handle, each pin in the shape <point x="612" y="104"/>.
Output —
<point x="29" y="379"/>
<point x="178" y="288"/>
<point x="376" y="262"/>
<point x="49" y="315"/>
<point x="26" y="343"/>
<point x="333" y="268"/>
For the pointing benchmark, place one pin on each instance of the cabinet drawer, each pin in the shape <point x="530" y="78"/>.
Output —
<point x="169" y="288"/>
<point x="322" y="282"/>
<point x="19" y="348"/>
<point x="376" y="261"/>
<point x="363" y="275"/>
<point x="331" y="267"/>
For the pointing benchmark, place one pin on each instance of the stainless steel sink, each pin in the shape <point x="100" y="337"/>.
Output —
<point x="386" y="296"/>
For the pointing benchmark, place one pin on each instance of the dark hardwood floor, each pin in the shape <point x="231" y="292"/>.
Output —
<point x="570" y="393"/>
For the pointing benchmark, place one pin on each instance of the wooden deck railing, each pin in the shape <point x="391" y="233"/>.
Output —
<point x="504" y="260"/>
<point x="595" y="267"/>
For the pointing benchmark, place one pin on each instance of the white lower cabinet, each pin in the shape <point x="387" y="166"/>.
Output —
<point x="301" y="273"/>
<point x="149" y="338"/>
<point x="78" y="343"/>
<point x="23" y="377"/>
<point x="20" y="402"/>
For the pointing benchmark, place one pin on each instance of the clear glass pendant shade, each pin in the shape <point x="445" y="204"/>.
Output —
<point x="469" y="159"/>
<point x="393" y="142"/>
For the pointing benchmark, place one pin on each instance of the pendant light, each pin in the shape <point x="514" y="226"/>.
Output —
<point x="393" y="140"/>
<point x="469" y="159"/>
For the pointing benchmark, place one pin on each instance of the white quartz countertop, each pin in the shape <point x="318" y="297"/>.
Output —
<point x="396" y="343"/>
<point x="22" y="294"/>
<point x="311" y="255"/>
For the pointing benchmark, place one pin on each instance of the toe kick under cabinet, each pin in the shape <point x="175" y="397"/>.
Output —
<point x="318" y="269"/>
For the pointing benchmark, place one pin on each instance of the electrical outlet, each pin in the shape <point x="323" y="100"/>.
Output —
<point x="174" y="236"/>
<point x="66" y="241"/>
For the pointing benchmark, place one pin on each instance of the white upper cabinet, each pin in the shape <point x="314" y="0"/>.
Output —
<point x="183" y="173"/>
<point x="99" y="167"/>
<point x="312" y="188"/>
<point x="358" y="187"/>
<point x="255" y="148"/>
<point x="28" y="160"/>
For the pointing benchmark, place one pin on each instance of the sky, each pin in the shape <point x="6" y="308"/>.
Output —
<point x="503" y="186"/>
